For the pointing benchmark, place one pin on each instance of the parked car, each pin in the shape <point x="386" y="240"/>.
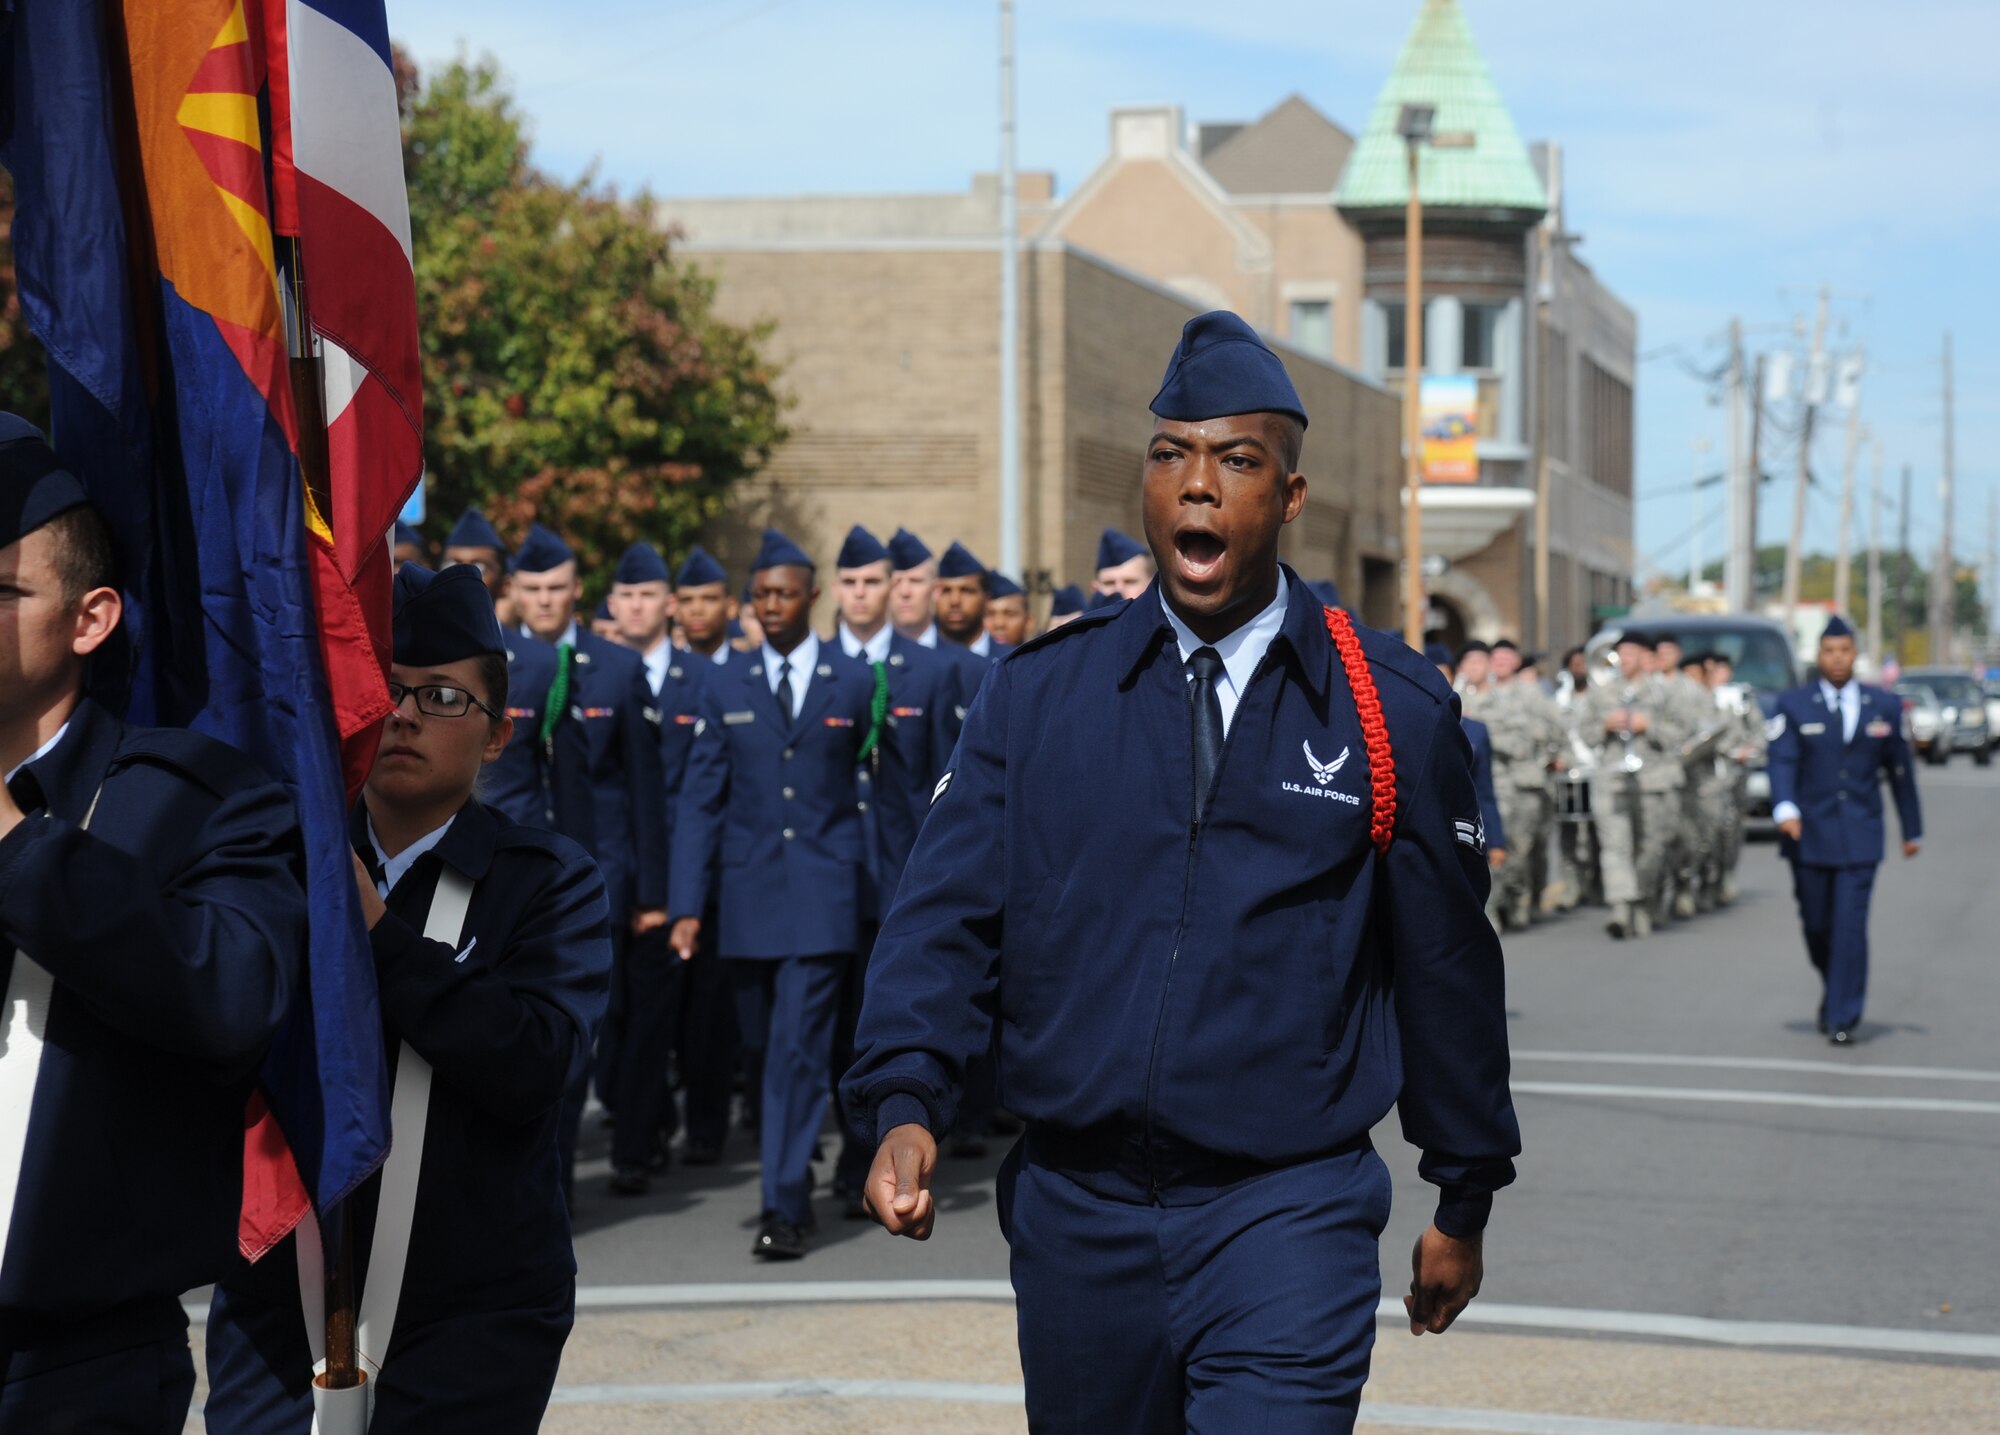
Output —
<point x="1761" y="655"/>
<point x="1923" y="721"/>
<point x="1992" y="691"/>
<point x="1963" y="712"/>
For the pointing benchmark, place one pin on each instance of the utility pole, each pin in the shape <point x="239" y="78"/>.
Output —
<point x="1753" y="485"/>
<point x="1415" y="605"/>
<point x="1701" y="448"/>
<point x="1815" y="366"/>
<point x="1875" y="562"/>
<point x="1986" y="577"/>
<point x="1944" y="583"/>
<point x="1010" y="312"/>
<point x="1842" y="566"/>
<point x="1739" y="566"/>
<point x="1903" y="568"/>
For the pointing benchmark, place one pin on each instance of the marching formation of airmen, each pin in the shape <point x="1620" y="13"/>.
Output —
<point x="1641" y="766"/>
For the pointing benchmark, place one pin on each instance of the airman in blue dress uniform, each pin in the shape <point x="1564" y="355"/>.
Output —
<point x="1124" y="565"/>
<point x="1064" y="604"/>
<point x="644" y="1021"/>
<point x="708" y="1042"/>
<point x="917" y="701"/>
<point x="1494" y="831"/>
<point x="1225" y="912"/>
<point x="770" y="820"/>
<point x="503" y="1013"/>
<point x="601" y="688"/>
<point x="152" y="931"/>
<point x="1833" y="743"/>
<point x="913" y="610"/>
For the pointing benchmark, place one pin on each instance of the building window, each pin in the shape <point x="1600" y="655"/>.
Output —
<point x="1312" y="326"/>
<point x="1479" y="336"/>
<point x="1392" y="330"/>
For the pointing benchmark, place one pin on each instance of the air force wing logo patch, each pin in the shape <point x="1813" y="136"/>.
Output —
<point x="1323" y="771"/>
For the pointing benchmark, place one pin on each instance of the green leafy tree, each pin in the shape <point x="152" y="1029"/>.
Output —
<point x="575" y="372"/>
<point x="24" y="380"/>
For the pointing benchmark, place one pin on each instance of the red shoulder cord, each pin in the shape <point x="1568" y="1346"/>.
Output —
<point x="1374" y="727"/>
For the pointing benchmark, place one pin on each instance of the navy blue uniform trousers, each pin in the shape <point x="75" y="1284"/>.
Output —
<point x="1833" y="909"/>
<point x="141" y="1391"/>
<point x="1247" y="1307"/>
<point x="484" y="1370"/>
<point x="786" y="1010"/>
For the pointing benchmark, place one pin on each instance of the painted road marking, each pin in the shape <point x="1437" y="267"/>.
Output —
<point x="1759" y="1098"/>
<point x="1751" y="1334"/>
<point x="1760" y="1063"/>
<point x="956" y="1392"/>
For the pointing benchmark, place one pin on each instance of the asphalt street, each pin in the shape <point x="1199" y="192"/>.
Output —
<point x="1693" y="1146"/>
<point x="1722" y="1223"/>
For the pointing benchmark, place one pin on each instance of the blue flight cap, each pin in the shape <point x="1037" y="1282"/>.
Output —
<point x="1219" y="368"/>
<point x="907" y="551"/>
<point x="540" y="551"/>
<point x="1324" y="590"/>
<point x="407" y="536"/>
<point x="642" y="563"/>
<point x="34" y="486"/>
<point x="958" y="562"/>
<point x="443" y="617"/>
<point x="699" y="569"/>
<point x="779" y="552"/>
<point x="861" y="549"/>
<point x="1836" y="627"/>
<point x="473" y="531"/>
<point x="1114" y="548"/>
<point x="603" y="613"/>
<point x="1101" y="599"/>
<point x="999" y="585"/>
<point x="1438" y="654"/>
<point x="1068" y="599"/>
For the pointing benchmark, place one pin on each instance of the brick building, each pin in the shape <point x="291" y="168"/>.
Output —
<point x="886" y="309"/>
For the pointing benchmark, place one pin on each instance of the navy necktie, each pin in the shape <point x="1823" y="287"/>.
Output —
<point x="1205" y="721"/>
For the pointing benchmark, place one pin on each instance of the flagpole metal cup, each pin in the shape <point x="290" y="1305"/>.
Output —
<point x="341" y="1412"/>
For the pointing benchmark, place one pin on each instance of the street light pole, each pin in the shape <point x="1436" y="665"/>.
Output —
<point x="1415" y="604"/>
<point x="1010" y="312"/>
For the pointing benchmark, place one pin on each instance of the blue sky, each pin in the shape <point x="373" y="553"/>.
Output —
<point x="1723" y="157"/>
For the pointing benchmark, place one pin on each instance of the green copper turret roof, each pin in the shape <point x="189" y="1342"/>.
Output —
<point x="1441" y="66"/>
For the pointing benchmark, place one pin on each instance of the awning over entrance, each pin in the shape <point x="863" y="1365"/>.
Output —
<point x="1458" y="522"/>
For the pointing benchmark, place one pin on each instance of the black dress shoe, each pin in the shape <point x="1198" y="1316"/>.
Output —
<point x="1823" y="1029"/>
<point x="694" y="1155"/>
<point x="630" y="1183"/>
<point x="1841" y="1036"/>
<point x="779" y="1240"/>
<point x="856" y="1209"/>
<point x="969" y="1148"/>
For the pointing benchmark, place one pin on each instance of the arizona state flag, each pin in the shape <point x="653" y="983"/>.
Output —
<point x="140" y="139"/>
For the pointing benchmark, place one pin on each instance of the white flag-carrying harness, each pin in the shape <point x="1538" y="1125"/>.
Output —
<point x="389" y="1253"/>
<point x="26" y="1018"/>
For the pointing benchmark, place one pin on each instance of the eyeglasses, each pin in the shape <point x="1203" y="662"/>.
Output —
<point x="439" y="700"/>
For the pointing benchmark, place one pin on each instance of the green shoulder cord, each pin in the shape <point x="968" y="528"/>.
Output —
<point x="878" y="711"/>
<point x="557" y="702"/>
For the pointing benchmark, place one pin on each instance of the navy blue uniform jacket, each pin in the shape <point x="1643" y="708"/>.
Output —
<point x="1495" y="832"/>
<point x="175" y="930"/>
<point x="612" y="704"/>
<point x="1259" y="984"/>
<point x="519" y="784"/>
<point x="678" y="703"/>
<point x="921" y="726"/>
<point x="769" y="811"/>
<point x="1837" y="785"/>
